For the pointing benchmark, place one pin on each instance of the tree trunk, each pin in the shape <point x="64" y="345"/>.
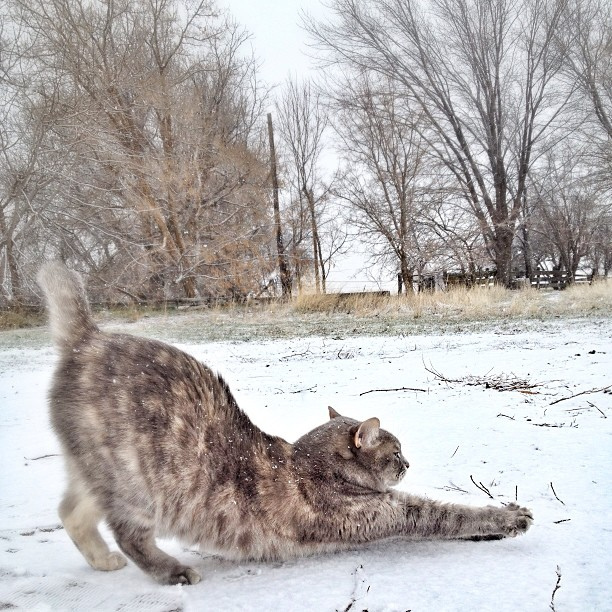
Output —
<point x="405" y="274"/>
<point x="503" y="256"/>
<point x="316" y="249"/>
<point x="283" y="265"/>
<point x="11" y="260"/>
<point x="527" y="253"/>
<point x="13" y="271"/>
<point x="321" y="264"/>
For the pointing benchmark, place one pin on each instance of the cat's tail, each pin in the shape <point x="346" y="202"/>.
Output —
<point x="69" y="314"/>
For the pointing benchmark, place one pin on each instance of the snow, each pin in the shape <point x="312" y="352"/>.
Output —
<point x="515" y="444"/>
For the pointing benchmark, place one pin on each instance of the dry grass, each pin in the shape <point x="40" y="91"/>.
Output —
<point x="322" y="315"/>
<point x="359" y="304"/>
<point x="20" y="319"/>
<point x="461" y="303"/>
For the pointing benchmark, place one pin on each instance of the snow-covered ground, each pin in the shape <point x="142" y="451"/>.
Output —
<point x="555" y="458"/>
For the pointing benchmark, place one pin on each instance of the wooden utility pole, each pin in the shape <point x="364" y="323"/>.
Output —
<point x="283" y="266"/>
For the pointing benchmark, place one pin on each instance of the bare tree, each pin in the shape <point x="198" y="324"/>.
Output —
<point x="26" y="168"/>
<point x="385" y="184"/>
<point x="461" y="247"/>
<point x="586" y="41"/>
<point x="296" y="221"/>
<point x="570" y="213"/>
<point x="302" y="122"/>
<point x="10" y="176"/>
<point x="481" y="72"/>
<point x="160" y="104"/>
<point x="601" y="246"/>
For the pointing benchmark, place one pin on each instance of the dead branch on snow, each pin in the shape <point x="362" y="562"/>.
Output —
<point x="397" y="389"/>
<point x="557" y="587"/>
<point x="604" y="389"/>
<point x="358" y="591"/>
<point x="499" y="382"/>
<point x="480" y="486"/>
<point x="592" y="405"/>
<point x="555" y="493"/>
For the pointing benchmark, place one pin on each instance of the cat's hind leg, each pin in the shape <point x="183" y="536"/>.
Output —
<point x="80" y="516"/>
<point x="137" y="541"/>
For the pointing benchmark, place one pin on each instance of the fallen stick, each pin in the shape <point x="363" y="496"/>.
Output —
<point x="41" y="457"/>
<point x="603" y="414"/>
<point x="302" y="390"/>
<point x="452" y="487"/>
<point x="555" y="493"/>
<point x="358" y="591"/>
<point x="557" y="587"/>
<point x="579" y="394"/>
<point x="481" y="487"/>
<point x="398" y="389"/>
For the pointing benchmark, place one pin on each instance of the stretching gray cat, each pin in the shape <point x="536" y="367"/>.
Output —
<point x="156" y="445"/>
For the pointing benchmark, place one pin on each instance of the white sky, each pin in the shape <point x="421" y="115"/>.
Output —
<point x="278" y="40"/>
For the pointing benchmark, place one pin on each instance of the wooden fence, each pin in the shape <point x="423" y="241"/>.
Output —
<point x="556" y="279"/>
<point x="552" y="279"/>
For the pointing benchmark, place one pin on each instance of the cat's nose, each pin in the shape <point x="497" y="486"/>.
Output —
<point x="406" y="464"/>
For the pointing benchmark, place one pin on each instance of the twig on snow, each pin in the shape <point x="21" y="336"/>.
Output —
<point x="481" y="487"/>
<point x="455" y="452"/>
<point x="302" y="390"/>
<point x="358" y="590"/>
<point x="561" y="521"/>
<point x="41" y="457"/>
<point x="572" y="424"/>
<point x="555" y="494"/>
<point x="345" y="354"/>
<point x="398" y="389"/>
<point x="294" y="355"/>
<point x="589" y="391"/>
<point x="452" y="487"/>
<point x="592" y="405"/>
<point x="557" y="587"/>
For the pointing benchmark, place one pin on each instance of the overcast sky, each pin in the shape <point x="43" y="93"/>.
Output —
<point x="278" y="40"/>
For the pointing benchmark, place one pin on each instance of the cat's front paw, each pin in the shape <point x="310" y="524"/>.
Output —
<point x="516" y="519"/>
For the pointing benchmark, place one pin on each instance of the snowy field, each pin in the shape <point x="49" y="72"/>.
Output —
<point x="555" y="458"/>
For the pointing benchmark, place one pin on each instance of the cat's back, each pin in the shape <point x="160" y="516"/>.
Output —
<point x="118" y="371"/>
<point x="117" y="395"/>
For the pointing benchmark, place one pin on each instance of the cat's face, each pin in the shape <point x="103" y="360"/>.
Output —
<point x="377" y="450"/>
<point x="384" y="457"/>
<point x="360" y="452"/>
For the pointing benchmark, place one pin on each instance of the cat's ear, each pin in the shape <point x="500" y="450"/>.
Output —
<point x="367" y="433"/>
<point x="332" y="413"/>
